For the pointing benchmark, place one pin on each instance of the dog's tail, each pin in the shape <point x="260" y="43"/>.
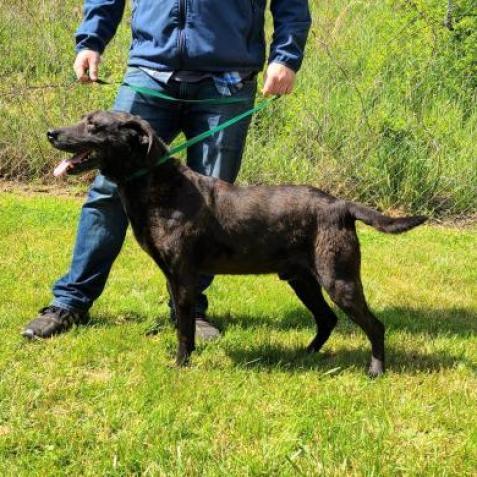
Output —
<point x="382" y="222"/>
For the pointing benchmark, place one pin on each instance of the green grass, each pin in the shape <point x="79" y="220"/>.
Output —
<point x="104" y="399"/>
<point x="383" y="111"/>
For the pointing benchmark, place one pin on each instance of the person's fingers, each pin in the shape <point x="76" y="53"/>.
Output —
<point x="279" y="79"/>
<point x="278" y="88"/>
<point x="278" y="83"/>
<point x="266" y="86"/>
<point x="270" y="86"/>
<point x="86" y="66"/>
<point x="80" y="66"/>
<point x="292" y="84"/>
<point x="93" y="67"/>
<point x="288" y="84"/>
<point x="284" y="87"/>
<point x="284" y="84"/>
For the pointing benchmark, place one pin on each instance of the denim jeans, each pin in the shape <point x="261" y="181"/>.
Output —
<point x="103" y="222"/>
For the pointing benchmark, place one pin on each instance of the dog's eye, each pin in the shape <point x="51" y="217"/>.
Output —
<point x="94" y="128"/>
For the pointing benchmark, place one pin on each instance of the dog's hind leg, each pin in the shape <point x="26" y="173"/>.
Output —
<point x="308" y="290"/>
<point x="338" y="263"/>
<point x="183" y="293"/>
<point x="349" y="296"/>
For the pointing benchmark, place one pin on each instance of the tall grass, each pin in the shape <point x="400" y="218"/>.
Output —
<point x="380" y="114"/>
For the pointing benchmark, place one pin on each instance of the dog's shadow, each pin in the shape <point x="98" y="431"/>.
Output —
<point x="432" y="324"/>
<point x="274" y="356"/>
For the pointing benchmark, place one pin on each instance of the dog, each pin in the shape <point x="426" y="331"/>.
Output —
<point x="191" y="224"/>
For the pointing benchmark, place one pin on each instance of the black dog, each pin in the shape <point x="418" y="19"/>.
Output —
<point x="192" y="224"/>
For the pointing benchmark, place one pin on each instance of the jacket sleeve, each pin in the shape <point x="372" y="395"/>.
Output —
<point x="292" y="21"/>
<point x="100" y="21"/>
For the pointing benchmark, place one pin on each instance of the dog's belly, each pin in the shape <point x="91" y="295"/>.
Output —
<point x="234" y="268"/>
<point x="252" y="262"/>
<point x="253" y="250"/>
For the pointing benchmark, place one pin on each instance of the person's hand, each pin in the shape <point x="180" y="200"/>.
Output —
<point x="279" y="79"/>
<point x="86" y="66"/>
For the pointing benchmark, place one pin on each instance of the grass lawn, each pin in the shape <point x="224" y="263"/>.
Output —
<point x="104" y="399"/>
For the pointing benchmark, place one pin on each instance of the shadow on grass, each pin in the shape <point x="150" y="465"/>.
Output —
<point x="432" y="322"/>
<point x="398" y="360"/>
<point x="102" y="320"/>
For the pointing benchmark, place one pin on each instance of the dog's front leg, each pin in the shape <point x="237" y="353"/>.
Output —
<point x="183" y="298"/>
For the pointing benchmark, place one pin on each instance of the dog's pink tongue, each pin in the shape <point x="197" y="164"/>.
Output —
<point x="61" y="168"/>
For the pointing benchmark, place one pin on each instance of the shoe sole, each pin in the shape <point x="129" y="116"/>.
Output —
<point x="29" y="334"/>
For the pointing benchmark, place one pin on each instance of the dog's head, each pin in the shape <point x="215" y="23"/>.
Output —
<point x="117" y="143"/>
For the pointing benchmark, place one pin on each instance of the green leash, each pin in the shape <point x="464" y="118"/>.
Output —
<point x="202" y="136"/>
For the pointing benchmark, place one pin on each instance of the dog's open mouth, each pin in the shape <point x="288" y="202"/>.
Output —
<point x="80" y="162"/>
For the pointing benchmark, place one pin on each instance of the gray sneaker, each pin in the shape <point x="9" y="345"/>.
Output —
<point x="204" y="329"/>
<point x="53" y="320"/>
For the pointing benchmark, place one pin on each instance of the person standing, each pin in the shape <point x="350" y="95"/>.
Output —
<point x="188" y="49"/>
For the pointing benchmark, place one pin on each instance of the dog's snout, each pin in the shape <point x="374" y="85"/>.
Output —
<point x="52" y="134"/>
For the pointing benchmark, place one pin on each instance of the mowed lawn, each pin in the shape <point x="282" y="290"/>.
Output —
<point x="105" y="400"/>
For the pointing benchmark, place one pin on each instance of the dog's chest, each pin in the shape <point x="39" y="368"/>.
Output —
<point x="166" y="233"/>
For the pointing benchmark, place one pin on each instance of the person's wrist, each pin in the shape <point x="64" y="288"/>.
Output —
<point x="290" y="65"/>
<point x="91" y="43"/>
<point x="88" y="51"/>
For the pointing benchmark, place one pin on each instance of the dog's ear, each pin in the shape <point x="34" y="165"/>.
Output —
<point x="147" y="135"/>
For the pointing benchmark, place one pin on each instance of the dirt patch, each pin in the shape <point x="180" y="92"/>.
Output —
<point x="459" y="222"/>
<point x="60" y="189"/>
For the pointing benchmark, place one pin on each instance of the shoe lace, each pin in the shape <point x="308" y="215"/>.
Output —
<point x="62" y="313"/>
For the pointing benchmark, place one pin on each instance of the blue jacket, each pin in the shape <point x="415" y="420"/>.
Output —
<point x="200" y="35"/>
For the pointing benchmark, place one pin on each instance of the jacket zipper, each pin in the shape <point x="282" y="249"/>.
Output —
<point x="182" y="21"/>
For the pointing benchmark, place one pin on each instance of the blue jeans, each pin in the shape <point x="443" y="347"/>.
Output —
<point x="103" y="222"/>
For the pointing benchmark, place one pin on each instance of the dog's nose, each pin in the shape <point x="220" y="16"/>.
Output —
<point x="52" y="135"/>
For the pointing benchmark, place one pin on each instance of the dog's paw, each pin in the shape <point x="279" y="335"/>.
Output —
<point x="376" y="368"/>
<point x="182" y="360"/>
<point x="311" y="348"/>
<point x="314" y="346"/>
